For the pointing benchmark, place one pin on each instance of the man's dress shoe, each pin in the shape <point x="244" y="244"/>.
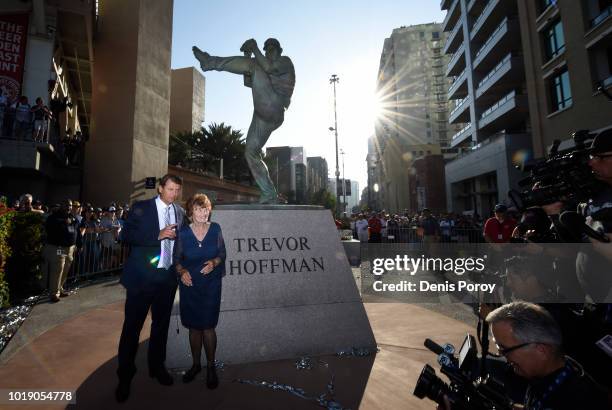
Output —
<point x="122" y="392"/>
<point x="162" y="376"/>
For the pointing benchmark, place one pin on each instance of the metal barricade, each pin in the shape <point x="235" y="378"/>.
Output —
<point x="412" y="234"/>
<point x="93" y="257"/>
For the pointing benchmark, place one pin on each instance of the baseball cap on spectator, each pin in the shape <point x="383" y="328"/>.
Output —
<point x="602" y="142"/>
<point x="500" y="208"/>
<point x="98" y="209"/>
<point x="111" y="209"/>
<point x="76" y="204"/>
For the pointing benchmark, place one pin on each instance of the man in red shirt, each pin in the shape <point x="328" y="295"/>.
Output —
<point x="498" y="229"/>
<point x="375" y="229"/>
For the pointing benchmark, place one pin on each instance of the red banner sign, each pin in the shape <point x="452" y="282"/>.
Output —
<point x="13" y="36"/>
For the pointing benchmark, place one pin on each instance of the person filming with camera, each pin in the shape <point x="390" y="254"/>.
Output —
<point x="530" y="340"/>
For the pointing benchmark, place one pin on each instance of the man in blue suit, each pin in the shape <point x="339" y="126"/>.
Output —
<point x="150" y="281"/>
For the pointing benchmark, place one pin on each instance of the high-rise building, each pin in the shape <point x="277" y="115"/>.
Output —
<point x="375" y="173"/>
<point x="525" y="73"/>
<point x="317" y="174"/>
<point x="567" y="46"/>
<point x="287" y="167"/>
<point x="489" y="99"/>
<point x="186" y="100"/>
<point x="412" y="87"/>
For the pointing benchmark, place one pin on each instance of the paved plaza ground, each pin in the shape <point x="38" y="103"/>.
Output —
<point x="72" y="345"/>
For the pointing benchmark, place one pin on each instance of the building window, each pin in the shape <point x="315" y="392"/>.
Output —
<point x="554" y="40"/>
<point x="598" y="11"/>
<point x="561" y="93"/>
<point x="435" y="35"/>
<point x="422" y="35"/>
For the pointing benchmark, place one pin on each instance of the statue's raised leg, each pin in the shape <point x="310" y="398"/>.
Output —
<point x="236" y="64"/>
<point x="258" y="134"/>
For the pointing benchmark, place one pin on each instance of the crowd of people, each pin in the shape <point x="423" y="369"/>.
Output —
<point x="423" y="226"/>
<point x="78" y="239"/>
<point x="40" y="124"/>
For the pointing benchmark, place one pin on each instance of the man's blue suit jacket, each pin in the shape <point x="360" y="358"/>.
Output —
<point x="141" y="229"/>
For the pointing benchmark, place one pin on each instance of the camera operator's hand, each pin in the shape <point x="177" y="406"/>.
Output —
<point x="446" y="405"/>
<point x="167" y="233"/>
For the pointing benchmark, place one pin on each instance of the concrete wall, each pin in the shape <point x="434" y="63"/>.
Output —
<point x="37" y="68"/>
<point x="131" y="100"/>
<point x="187" y="100"/>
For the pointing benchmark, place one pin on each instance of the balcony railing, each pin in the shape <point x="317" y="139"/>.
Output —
<point x="453" y="60"/>
<point x="495" y="70"/>
<point x="462" y="131"/>
<point x="492" y="37"/>
<point x="481" y="17"/>
<point x="498" y="104"/>
<point x="605" y="13"/>
<point x="451" y="36"/>
<point x="449" y="13"/>
<point x="457" y="81"/>
<point x="460" y="103"/>
<point x="605" y="83"/>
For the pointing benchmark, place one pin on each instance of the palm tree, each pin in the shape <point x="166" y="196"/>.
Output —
<point x="203" y="149"/>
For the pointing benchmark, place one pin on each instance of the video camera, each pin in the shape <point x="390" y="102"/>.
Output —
<point x="561" y="176"/>
<point x="467" y="389"/>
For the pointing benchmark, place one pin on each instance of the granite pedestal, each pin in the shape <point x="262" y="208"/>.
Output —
<point x="288" y="290"/>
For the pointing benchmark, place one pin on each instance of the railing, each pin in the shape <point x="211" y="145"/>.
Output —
<point x="459" y="105"/>
<point x="498" y="104"/>
<point x="449" y="13"/>
<point x="496" y="69"/>
<point x="485" y="10"/>
<point x="605" y="13"/>
<point x="96" y="255"/>
<point x="463" y="130"/>
<point x="492" y="37"/>
<point x="412" y="234"/>
<point x="456" y="82"/>
<point x="606" y="83"/>
<point x="454" y="58"/>
<point x="451" y="36"/>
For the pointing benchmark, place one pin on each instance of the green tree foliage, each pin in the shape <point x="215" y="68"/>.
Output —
<point x="202" y="150"/>
<point x="325" y="198"/>
<point x="23" y="268"/>
<point x="6" y="228"/>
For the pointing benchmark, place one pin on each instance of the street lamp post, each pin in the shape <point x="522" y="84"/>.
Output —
<point x="333" y="80"/>
<point x="343" y="184"/>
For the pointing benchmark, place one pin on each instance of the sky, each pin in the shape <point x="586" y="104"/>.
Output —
<point x="322" y="38"/>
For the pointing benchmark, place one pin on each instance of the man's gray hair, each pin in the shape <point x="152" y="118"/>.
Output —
<point x="23" y="197"/>
<point x="530" y="323"/>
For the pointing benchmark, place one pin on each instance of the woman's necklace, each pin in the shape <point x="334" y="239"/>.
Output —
<point x="196" y="236"/>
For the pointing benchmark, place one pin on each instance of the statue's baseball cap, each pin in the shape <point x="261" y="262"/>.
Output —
<point x="602" y="142"/>
<point x="271" y="42"/>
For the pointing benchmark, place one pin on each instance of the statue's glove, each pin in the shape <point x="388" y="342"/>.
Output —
<point x="248" y="46"/>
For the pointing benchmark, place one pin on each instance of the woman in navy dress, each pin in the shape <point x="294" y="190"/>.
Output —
<point x="199" y="258"/>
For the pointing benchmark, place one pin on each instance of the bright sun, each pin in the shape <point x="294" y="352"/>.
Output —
<point x="364" y="107"/>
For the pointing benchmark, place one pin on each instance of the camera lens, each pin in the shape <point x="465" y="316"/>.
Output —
<point x="431" y="386"/>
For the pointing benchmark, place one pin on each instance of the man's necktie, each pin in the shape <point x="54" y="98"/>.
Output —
<point x="167" y="243"/>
